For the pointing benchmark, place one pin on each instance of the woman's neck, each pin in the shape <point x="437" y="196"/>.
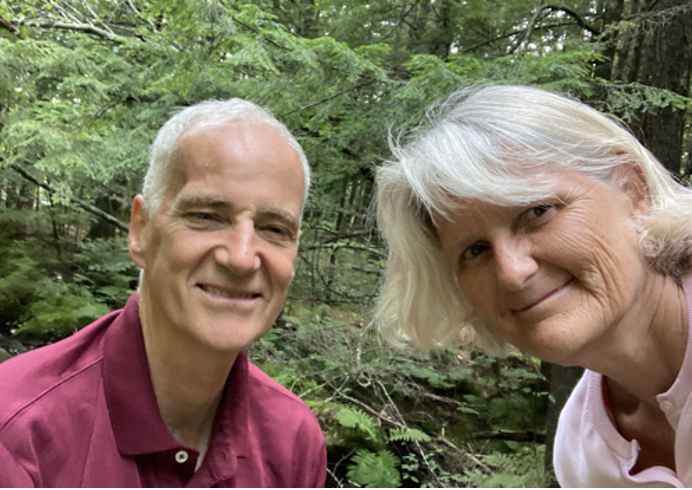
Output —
<point x="645" y="351"/>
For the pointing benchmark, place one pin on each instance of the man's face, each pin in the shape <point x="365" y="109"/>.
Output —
<point x="218" y="255"/>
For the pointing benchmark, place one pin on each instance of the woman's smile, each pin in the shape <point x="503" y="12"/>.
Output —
<point x="531" y="306"/>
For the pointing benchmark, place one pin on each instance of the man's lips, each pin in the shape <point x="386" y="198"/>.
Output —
<point x="230" y="293"/>
<point x="541" y="299"/>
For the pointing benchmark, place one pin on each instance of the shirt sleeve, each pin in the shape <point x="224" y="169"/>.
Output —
<point x="11" y="473"/>
<point x="310" y="457"/>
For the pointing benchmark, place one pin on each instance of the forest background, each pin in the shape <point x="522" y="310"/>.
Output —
<point x="85" y="84"/>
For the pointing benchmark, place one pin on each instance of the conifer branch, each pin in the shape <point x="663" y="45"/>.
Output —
<point x="82" y="204"/>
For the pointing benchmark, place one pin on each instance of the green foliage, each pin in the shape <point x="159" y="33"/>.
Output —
<point x="373" y="399"/>
<point x="106" y="270"/>
<point x="408" y="434"/>
<point x="80" y="107"/>
<point x="58" y="310"/>
<point x="48" y="295"/>
<point x="630" y="100"/>
<point x="354" y="418"/>
<point x="521" y="468"/>
<point x="378" y="469"/>
<point x="17" y="280"/>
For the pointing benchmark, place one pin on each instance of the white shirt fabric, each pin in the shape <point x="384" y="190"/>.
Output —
<point x="590" y="452"/>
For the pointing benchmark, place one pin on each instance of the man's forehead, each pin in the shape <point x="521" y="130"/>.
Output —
<point x="229" y="129"/>
<point x="211" y="145"/>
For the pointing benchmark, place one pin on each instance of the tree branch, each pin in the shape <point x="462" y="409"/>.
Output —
<point x="334" y="96"/>
<point x="88" y="28"/>
<point x="6" y="24"/>
<point x="82" y="204"/>
<point x="512" y="435"/>
<point x="574" y="15"/>
<point x="510" y="34"/>
<point x="546" y="9"/>
<point x="13" y="27"/>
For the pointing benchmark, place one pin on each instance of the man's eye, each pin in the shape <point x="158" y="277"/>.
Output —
<point x="203" y="217"/>
<point x="278" y="231"/>
<point x="474" y="251"/>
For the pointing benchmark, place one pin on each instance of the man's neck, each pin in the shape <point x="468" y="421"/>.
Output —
<point x="188" y="380"/>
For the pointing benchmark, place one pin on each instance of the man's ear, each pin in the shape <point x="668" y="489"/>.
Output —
<point x="630" y="179"/>
<point x="136" y="236"/>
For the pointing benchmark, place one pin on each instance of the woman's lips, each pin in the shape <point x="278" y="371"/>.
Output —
<point x="542" y="298"/>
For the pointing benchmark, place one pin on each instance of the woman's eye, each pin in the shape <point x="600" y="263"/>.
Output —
<point x="474" y="251"/>
<point x="539" y="211"/>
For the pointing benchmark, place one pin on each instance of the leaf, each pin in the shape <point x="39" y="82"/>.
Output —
<point x="355" y="418"/>
<point x="374" y="469"/>
<point x="408" y="434"/>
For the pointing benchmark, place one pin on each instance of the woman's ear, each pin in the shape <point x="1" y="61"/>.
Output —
<point x="136" y="239"/>
<point x="629" y="177"/>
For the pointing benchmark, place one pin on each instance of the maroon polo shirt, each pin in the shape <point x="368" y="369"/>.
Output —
<point x="11" y="474"/>
<point x="82" y="412"/>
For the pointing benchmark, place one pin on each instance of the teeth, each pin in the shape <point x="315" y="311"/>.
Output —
<point x="226" y="294"/>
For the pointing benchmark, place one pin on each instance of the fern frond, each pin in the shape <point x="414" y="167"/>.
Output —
<point x="374" y="469"/>
<point x="408" y="434"/>
<point x="357" y="419"/>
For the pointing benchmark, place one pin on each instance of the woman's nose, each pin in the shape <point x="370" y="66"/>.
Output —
<point x="514" y="264"/>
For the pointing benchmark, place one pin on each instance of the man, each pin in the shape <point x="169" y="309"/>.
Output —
<point x="11" y="474"/>
<point x="161" y="393"/>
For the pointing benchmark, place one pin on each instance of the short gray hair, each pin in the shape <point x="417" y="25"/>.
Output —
<point x="157" y="180"/>
<point x="481" y="143"/>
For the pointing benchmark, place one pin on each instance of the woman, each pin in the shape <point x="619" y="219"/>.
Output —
<point x="520" y="217"/>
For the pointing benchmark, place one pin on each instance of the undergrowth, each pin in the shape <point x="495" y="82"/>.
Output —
<point x="401" y="419"/>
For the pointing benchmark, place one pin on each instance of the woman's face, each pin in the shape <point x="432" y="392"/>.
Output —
<point x="552" y="278"/>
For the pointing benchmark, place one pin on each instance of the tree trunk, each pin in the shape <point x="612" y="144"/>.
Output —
<point x="562" y="380"/>
<point x="656" y="52"/>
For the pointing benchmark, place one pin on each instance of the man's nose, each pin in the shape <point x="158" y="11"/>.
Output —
<point x="238" y="252"/>
<point x="514" y="264"/>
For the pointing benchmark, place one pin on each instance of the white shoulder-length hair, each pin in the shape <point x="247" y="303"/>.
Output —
<point x="496" y="144"/>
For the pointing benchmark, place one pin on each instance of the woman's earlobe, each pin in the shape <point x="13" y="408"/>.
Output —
<point x="631" y="180"/>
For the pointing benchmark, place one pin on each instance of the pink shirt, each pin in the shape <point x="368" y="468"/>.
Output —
<point x="82" y="412"/>
<point x="589" y="450"/>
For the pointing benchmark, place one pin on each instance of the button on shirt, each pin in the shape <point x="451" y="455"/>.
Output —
<point x="82" y="412"/>
<point x="589" y="450"/>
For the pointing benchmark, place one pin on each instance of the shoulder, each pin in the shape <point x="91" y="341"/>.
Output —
<point x="279" y="411"/>
<point x="287" y="425"/>
<point x="46" y="379"/>
<point x="273" y="396"/>
<point x="588" y="450"/>
<point x="567" y="437"/>
<point x="571" y="416"/>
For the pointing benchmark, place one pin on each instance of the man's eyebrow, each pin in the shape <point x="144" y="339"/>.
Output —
<point x="201" y="201"/>
<point x="220" y="202"/>
<point x="281" y="215"/>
